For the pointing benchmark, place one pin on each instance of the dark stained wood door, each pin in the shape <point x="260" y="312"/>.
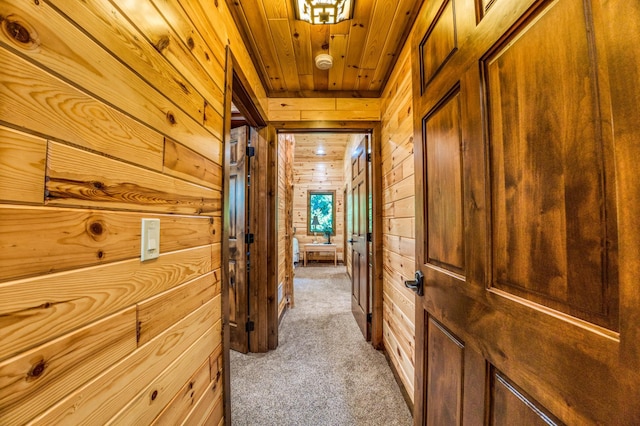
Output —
<point x="527" y="202"/>
<point x="238" y="220"/>
<point x="360" y="300"/>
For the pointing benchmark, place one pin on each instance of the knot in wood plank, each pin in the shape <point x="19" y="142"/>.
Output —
<point x="20" y="32"/>
<point x="37" y="370"/>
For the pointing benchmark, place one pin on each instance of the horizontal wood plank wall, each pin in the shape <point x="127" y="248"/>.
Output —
<point x="110" y="112"/>
<point x="321" y="176"/>
<point x="398" y="206"/>
<point x="324" y="109"/>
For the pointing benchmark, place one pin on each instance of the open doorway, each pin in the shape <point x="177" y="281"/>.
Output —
<point x="334" y="223"/>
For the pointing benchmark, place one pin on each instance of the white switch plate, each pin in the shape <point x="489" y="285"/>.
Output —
<point x="150" y="241"/>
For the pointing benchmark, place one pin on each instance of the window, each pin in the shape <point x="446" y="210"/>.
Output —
<point x="321" y="212"/>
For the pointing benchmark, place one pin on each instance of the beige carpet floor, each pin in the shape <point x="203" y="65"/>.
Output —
<point x="323" y="372"/>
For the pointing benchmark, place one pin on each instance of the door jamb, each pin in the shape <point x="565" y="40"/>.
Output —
<point x="375" y="128"/>
<point x="237" y="90"/>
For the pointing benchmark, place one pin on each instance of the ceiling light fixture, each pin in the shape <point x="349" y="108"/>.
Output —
<point x="323" y="11"/>
<point x="324" y="61"/>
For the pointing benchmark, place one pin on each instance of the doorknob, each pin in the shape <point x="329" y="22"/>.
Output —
<point x="416" y="285"/>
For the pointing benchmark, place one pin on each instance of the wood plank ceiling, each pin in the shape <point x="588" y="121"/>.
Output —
<point x="364" y="48"/>
<point x="332" y="144"/>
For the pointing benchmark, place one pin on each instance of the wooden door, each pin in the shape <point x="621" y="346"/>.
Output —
<point x="238" y="258"/>
<point x="360" y="303"/>
<point x="527" y="202"/>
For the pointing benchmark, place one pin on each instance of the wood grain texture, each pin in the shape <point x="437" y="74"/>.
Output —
<point x="110" y="184"/>
<point x="22" y="163"/>
<point x="150" y="401"/>
<point x="178" y="408"/>
<point x="36" y="379"/>
<point x="339" y="109"/>
<point x="365" y="48"/>
<point x="66" y="50"/>
<point x="398" y="199"/>
<point x="444" y="186"/>
<point x="96" y="85"/>
<point x="31" y="98"/>
<point x="110" y="26"/>
<point x="169" y="30"/>
<point x="581" y="371"/>
<point x="180" y="161"/>
<point x="510" y="404"/>
<point x="550" y="199"/>
<point x="164" y="309"/>
<point x="317" y="175"/>
<point x="35" y="310"/>
<point x="72" y="238"/>
<point x="104" y="396"/>
<point x="445" y="372"/>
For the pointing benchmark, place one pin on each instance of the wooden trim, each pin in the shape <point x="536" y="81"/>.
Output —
<point x="272" y="238"/>
<point x="345" y="229"/>
<point x="355" y="94"/>
<point x="331" y="192"/>
<point x="375" y="129"/>
<point x="245" y="99"/>
<point x="226" y="341"/>
<point x="377" y="237"/>
<point x="326" y="126"/>
<point x="419" y="364"/>
<point x="246" y="102"/>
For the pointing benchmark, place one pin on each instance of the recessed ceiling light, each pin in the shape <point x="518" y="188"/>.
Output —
<point x="320" y="151"/>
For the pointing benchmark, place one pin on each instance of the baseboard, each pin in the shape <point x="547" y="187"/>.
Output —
<point x="403" y="390"/>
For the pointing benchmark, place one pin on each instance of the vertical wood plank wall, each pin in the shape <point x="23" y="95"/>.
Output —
<point x="398" y="207"/>
<point x="321" y="176"/>
<point x="110" y="112"/>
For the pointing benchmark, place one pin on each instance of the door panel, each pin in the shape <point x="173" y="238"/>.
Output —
<point x="512" y="406"/>
<point x="519" y="201"/>
<point x="238" y="213"/>
<point x="548" y="175"/>
<point x="360" y="303"/>
<point x="445" y="372"/>
<point x="445" y="241"/>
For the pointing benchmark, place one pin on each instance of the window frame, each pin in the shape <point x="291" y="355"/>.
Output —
<point x="331" y="192"/>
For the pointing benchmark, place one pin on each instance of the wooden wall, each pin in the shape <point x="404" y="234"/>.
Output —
<point x="317" y="175"/>
<point x="285" y="219"/>
<point x="324" y="109"/>
<point x="398" y="206"/>
<point x="111" y="111"/>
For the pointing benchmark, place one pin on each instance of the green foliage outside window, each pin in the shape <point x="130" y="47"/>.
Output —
<point x="321" y="212"/>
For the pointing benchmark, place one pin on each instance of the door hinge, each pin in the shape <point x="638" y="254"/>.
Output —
<point x="249" y="326"/>
<point x="369" y="237"/>
<point x="368" y="157"/>
<point x="369" y="318"/>
<point x="251" y="151"/>
<point x="248" y="238"/>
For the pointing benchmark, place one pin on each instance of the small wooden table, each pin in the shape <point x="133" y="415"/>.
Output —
<point x="320" y="247"/>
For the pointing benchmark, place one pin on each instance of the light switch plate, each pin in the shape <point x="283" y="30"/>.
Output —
<point x="150" y="239"/>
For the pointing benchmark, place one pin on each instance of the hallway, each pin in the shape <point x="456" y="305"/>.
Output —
<point x="323" y="372"/>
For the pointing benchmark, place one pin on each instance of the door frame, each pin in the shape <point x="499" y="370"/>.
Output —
<point x="345" y="228"/>
<point x="374" y="128"/>
<point x="237" y="91"/>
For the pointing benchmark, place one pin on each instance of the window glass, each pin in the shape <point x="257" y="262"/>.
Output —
<point x="321" y="212"/>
